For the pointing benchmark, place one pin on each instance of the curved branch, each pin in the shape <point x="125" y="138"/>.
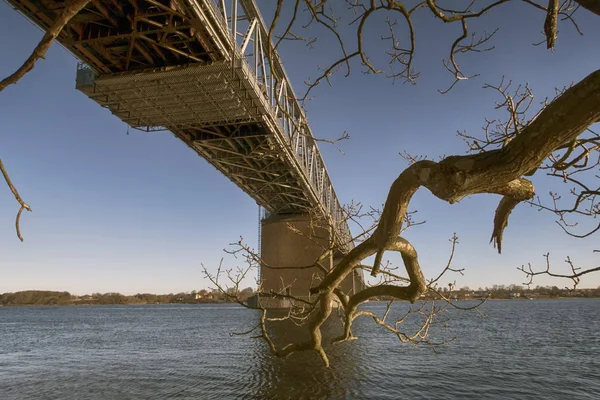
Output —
<point x="410" y="293"/>
<point x="39" y="52"/>
<point x="13" y="189"/>
<point x="518" y="190"/>
<point x="496" y="171"/>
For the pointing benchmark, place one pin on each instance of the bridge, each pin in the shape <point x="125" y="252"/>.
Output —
<point x="206" y="71"/>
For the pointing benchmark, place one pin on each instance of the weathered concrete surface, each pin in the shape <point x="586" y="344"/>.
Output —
<point x="290" y="245"/>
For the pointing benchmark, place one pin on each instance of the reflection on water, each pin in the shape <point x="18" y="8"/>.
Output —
<point x="303" y="374"/>
<point x="523" y="349"/>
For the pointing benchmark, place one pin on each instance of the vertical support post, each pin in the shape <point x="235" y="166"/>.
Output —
<point x="281" y="89"/>
<point x="234" y="9"/>
<point x="263" y="61"/>
<point x="272" y="91"/>
<point x="311" y="165"/>
<point x="224" y="10"/>
<point x="256" y="40"/>
<point x="305" y="150"/>
<point x="297" y="145"/>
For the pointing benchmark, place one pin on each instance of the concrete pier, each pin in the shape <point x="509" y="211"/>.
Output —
<point x="290" y="245"/>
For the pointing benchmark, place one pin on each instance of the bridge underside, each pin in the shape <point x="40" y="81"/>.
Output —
<point x="114" y="36"/>
<point x="217" y="112"/>
<point x="201" y="72"/>
<point x="204" y="73"/>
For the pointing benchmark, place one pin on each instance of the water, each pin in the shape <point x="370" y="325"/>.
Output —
<point x="542" y="349"/>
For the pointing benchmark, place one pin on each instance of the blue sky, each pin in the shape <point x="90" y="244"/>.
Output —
<point x="141" y="212"/>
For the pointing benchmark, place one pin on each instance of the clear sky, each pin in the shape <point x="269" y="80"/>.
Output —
<point x="141" y="212"/>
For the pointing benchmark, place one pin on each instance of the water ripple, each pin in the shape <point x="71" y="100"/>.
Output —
<point x="524" y="350"/>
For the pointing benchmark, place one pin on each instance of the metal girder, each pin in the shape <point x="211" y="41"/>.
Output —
<point x="113" y="36"/>
<point x="208" y="74"/>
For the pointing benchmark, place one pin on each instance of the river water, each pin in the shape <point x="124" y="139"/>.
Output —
<point x="539" y="349"/>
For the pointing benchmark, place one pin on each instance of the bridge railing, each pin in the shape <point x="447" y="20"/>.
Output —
<point x="247" y="29"/>
<point x="239" y="35"/>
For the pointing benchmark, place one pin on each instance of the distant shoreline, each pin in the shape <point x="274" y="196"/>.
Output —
<point x="54" y="298"/>
<point x="231" y="303"/>
<point x="132" y="304"/>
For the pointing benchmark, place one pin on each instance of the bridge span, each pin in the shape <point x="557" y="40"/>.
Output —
<point x="205" y="71"/>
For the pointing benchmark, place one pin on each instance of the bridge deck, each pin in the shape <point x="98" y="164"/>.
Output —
<point x="204" y="73"/>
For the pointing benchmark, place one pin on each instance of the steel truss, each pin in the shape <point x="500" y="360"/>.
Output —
<point x="206" y="72"/>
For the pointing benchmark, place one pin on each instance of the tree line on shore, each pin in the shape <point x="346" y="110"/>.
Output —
<point x="46" y="297"/>
<point x="513" y="292"/>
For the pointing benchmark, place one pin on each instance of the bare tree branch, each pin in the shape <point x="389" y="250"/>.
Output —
<point x="39" y="52"/>
<point x="550" y="25"/>
<point x="24" y="206"/>
<point x="52" y="33"/>
<point x="576" y="272"/>
<point x="496" y="171"/>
